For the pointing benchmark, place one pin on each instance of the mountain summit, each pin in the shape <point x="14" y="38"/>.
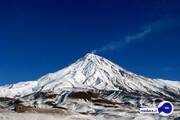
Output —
<point x="93" y="72"/>
<point x="91" y="80"/>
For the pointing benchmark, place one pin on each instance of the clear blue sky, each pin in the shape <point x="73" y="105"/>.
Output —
<point x="42" y="36"/>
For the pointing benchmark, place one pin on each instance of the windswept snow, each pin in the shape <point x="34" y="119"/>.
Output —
<point x="19" y="89"/>
<point x="93" y="88"/>
<point x="92" y="72"/>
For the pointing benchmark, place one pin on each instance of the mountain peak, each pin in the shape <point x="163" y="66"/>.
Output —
<point x="100" y="61"/>
<point x="91" y="55"/>
<point x="94" y="72"/>
<point x="91" y="83"/>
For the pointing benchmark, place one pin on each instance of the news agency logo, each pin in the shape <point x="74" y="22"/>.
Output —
<point x="165" y="108"/>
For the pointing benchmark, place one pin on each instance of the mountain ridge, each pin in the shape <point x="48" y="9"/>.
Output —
<point x="92" y="85"/>
<point x="92" y="72"/>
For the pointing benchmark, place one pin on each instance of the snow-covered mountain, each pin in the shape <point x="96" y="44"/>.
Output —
<point x="92" y="72"/>
<point x="90" y="82"/>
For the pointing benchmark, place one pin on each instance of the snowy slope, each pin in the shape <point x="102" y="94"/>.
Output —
<point x="92" y="86"/>
<point x="93" y="72"/>
<point x="19" y="89"/>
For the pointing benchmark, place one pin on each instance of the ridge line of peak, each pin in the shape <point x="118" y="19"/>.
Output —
<point x="91" y="55"/>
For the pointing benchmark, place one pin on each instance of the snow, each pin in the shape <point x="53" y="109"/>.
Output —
<point x="92" y="72"/>
<point x="122" y="116"/>
<point x="37" y="116"/>
<point x="19" y="89"/>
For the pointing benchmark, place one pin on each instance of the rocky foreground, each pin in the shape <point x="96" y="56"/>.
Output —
<point x="75" y="116"/>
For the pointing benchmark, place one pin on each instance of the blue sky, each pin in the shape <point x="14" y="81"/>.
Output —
<point x="42" y="36"/>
